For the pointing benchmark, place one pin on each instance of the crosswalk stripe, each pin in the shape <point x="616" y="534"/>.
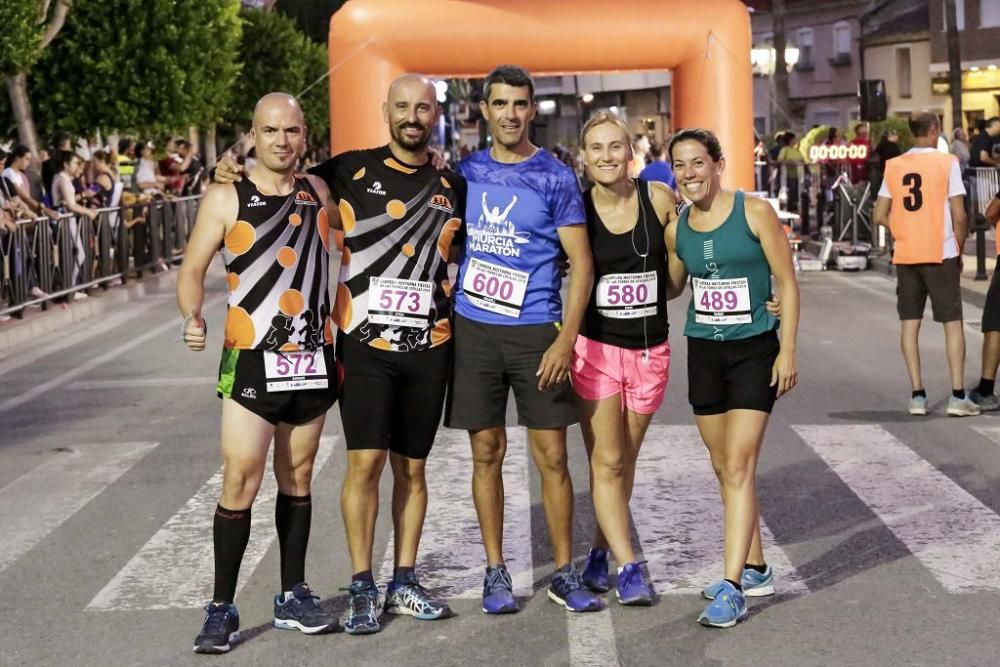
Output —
<point x="991" y="433"/>
<point x="174" y="569"/>
<point x="142" y="383"/>
<point x="39" y="501"/>
<point x="592" y="639"/>
<point x="451" y="559"/>
<point x="677" y="512"/>
<point x="954" y="535"/>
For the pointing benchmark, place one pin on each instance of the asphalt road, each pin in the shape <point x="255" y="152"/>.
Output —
<point x="883" y="528"/>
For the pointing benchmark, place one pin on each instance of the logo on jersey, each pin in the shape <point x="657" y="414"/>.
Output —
<point x="441" y="203"/>
<point x="255" y="201"/>
<point x="493" y="233"/>
<point x="249" y="392"/>
<point x="305" y="199"/>
<point x="376" y="189"/>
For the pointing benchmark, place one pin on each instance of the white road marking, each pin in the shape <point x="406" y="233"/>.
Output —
<point x="39" y="501"/>
<point x="60" y="380"/>
<point x="677" y="512"/>
<point x="175" y="567"/>
<point x="451" y="559"/>
<point x="954" y="535"/>
<point x="140" y="383"/>
<point x="100" y="325"/>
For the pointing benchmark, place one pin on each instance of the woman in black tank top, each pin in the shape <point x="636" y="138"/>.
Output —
<point x="621" y="358"/>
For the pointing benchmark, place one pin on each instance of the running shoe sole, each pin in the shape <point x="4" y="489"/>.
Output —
<point x="233" y="638"/>
<point x="291" y="624"/>
<point x="634" y="602"/>
<point x="728" y="624"/>
<point x="562" y="603"/>
<point x="918" y="411"/>
<point x="759" y="592"/>
<point x="406" y="611"/>
<point x="363" y="631"/>
<point x="498" y="612"/>
<point x="962" y="413"/>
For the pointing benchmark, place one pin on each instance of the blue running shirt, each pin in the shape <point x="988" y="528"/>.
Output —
<point x="508" y="274"/>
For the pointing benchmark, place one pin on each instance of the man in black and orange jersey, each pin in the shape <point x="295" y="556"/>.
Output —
<point x="277" y="378"/>
<point x="922" y="203"/>
<point x="398" y="222"/>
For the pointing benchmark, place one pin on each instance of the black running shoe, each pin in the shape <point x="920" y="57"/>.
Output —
<point x="220" y="630"/>
<point x="300" y="612"/>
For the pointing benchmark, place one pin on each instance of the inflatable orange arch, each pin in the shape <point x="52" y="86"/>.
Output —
<point x="706" y="44"/>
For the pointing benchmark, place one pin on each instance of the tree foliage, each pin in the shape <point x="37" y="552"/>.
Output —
<point x="139" y="66"/>
<point x="277" y="56"/>
<point x="21" y="35"/>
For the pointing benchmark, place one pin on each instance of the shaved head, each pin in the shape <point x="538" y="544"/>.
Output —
<point x="279" y="132"/>
<point x="411" y="109"/>
<point x="410" y="82"/>
<point x="276" y="102"/>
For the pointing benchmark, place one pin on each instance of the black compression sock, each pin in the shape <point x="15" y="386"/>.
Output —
<point x="986" y="386"/>
<point x="399" y="572"/>
<point x="762" y="568"/>
<point x="736" y="585"/>
<point x="230" y="534"/>
<point x="292" y="518"/>
<point x="958" y="393"/>
<point x="363" y="576"/>
<point x="920" y="392"/>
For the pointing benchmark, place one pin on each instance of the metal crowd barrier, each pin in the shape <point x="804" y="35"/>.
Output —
<point x="76" y="254"/>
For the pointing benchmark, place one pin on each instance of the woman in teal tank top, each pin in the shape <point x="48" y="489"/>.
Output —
<point x="730" y="245"/>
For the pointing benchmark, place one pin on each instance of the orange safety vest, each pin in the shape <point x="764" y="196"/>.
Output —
<point x="918" y="183"/>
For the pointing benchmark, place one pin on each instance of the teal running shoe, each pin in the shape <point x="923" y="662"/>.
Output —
<point x="755" y="584"/>
<point x="727" y="609"/>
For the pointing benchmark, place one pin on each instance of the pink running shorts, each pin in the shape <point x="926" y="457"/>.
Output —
<point x="601" y="370"/>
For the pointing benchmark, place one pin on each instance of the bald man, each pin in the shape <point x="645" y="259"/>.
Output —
<point x="277" y="377"/>
<point x="399" y="223"/>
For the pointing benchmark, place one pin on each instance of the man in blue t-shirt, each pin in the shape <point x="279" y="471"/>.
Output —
<point x="524" y="209"/>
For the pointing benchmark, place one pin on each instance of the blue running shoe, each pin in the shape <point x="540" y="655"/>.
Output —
<point x="498" y="591"/>
<point x="727" y="609"/>
<point x="362" y="617"/>
<point x="410" y="598"/>
<point x="595" y="571"/>
<point x="568" y="590"/>
<point x="220" y="630"/>
<point x="299" y="611"/>
<point x="633" y="589"/>
<point x="755" y="584"/>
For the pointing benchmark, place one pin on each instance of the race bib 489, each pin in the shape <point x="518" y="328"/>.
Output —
<point x="722" y="301"/>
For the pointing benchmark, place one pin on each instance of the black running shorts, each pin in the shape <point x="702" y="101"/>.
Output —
<point x="942" y="282"/>
<point x="991" y="309"/>
<point x="243" y="378"/>
<point x="732" y="374"/>
<point x="492" y="359"/>
<point x="392" y="400"/>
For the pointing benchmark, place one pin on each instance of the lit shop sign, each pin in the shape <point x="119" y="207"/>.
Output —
<point x="828" y="153"/>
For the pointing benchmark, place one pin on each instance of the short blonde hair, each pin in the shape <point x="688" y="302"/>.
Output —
<point x="600" y="118"/>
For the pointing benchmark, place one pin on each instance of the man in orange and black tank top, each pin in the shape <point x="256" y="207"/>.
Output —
<point x="277" y="378"/>
<point x="922" y="203"/>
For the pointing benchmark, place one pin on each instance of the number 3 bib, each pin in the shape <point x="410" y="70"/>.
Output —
<point x="495" y="288"/>
<point x="725" y="301"/>
<point x="626" y="296"/>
